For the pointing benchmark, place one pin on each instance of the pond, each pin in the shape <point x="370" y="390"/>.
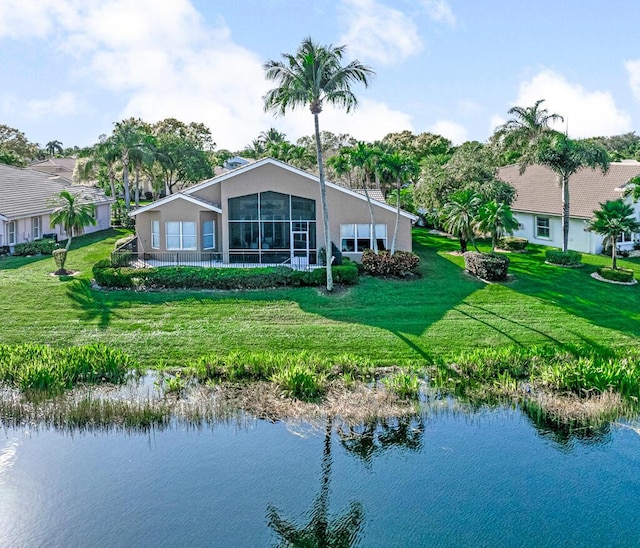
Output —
<point x="446" y="477"/>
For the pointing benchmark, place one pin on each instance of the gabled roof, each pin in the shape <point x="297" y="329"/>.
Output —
<point x="538" y="190"/>
<point x="27" y="193"/>
<point x="178" y="196"/>
<point x="297" y="171"/>
<point x="374" y="194"/>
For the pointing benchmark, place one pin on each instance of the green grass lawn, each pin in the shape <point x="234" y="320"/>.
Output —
<point x="385" y="321"/>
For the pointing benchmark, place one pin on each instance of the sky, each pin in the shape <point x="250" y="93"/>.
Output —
<point x="70" y="69"/>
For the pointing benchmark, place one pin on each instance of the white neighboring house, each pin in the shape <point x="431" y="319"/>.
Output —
<point x="25" y="205"/>
<point x="538" y="205"/>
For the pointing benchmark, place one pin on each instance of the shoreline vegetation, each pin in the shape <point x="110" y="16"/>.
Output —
<point x="57" y="387"/>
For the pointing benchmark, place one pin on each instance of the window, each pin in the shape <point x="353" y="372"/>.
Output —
<point x="208" y="235"/>
<point x="181" y="235"/>
<point x="11" y="233"/>
<point x="155" y="234"/>
<point x="624" y="238"/>
<point x="358" y="237"/>
<point x="36" y="231"/>
<point x="543" y="229"/>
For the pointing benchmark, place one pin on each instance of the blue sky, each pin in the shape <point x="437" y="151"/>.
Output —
<point x="71" y="68"/>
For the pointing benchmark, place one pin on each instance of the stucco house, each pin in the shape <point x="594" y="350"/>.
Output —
<point x="264" y="212"/>
<point x="25" y="205"/>
<point x="538" y="205"/>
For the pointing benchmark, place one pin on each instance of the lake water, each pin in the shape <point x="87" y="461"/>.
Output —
<point x="446" y="478"/>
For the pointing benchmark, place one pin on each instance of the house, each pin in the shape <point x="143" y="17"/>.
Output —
<point x="538" y="205"/>
<point x="62" y="167"/>
<point x="25" y="205"/>
<point x="264" y="212"/>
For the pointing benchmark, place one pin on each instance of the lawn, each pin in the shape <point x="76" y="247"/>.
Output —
<point x="385" y="321"/>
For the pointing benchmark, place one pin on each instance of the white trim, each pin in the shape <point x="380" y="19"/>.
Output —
<point x="300" y="172"/>
<point x="153" y="221"/>
<point x="173" y="197"/>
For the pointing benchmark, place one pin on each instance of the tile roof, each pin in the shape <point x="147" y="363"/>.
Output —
<point x="374" y="194"/>
<point x="27" y="192"/>
<point x="538" y="190"/>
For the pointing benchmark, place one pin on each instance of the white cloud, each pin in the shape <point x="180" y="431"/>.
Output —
<point x="586" y="113"/>
<point x="379" y="33"/>
<point x="453" y="131"/>
<point x="440" y="11"/>
<point x="494" y="122"/>
<point x="63" y="104"/>
<point x="633" y="70"/>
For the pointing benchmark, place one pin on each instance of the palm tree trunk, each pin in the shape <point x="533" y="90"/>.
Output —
<point x="323" y="201"/>
<point x="373" y="224"/>
<point x="137" y="192"/>
<point x="125" y="180"/>
<point x="565" y="213"/>
<point x="395" y="230"/>
<point x="614" y="261"/>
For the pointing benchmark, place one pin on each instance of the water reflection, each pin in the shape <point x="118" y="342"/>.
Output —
<point x="321" y="530"/>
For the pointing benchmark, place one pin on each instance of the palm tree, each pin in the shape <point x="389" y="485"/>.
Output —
<point x="565" y="157"/>
<point x="313" y="77"/>
<point x="272" y="135"/>
<point x="497" y="219"/>
<point x="527" y="126"/>
<point x="402" y="168"/>
<point x="614" y="218"/>
<point x="54" y="147"/>
<point x="459" y="216"/>
<point x="72" y="212"/>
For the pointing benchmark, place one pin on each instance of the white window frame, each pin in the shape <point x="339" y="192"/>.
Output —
<point x="548" y="227"/>
<point x="155" y="234"/>
<point x="12" y="232"/>
<point x="361" y="231"/>
<point x="211" y="234"/>
<point x="36" y="228"/>
<point x="181" y="235"/>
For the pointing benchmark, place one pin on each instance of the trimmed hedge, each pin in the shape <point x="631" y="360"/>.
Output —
<point x="562" y="258"/>
<point x="513" y="243"/>
<point x="617" y="275"/>
<point x="193" y="277"/>
<point x="37" y="247"/>
<point x="487" y="266"/>
<point x="401" y="263"/>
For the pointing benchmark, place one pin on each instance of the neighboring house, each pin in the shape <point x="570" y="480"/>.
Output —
<point x="62" y="167"/>
<point x="235" y="162"/>
<point x="538" y="205"/>
<point x="264" y="212"/>
<point x="25" y="205"/>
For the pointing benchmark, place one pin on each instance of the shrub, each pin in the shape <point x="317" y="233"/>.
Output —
<point x="300" y="381"/>
<point x="401" y="263"/>
<point x="564" y="258"/>
<point x="37" y="247"/>
<point x="121" y="258"/>
<point x="487" y="266"/>
<point x="513" y="243"/>
<point x="124" y="241"/>
<point x="617" y="275"/>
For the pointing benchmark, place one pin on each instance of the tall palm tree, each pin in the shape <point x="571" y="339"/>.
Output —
<point x="402" y="168"/>
<point x="497" y="219"/>
<point x="72" y="213"/>
<point x="272" y="135"/>
<point x="565" y="157"/>
<point x="521" y="133"/>
<point x="459" y="216"/>
<point x="54" y="147"/>
<point x="366" y="158"/>
<point x="312" y="77"/>
<point x="614" y="218"/>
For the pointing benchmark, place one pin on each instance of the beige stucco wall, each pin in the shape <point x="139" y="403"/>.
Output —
<point x="343" y="208"/>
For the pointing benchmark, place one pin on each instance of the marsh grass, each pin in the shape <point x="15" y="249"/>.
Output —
<point x="43" y="367"/>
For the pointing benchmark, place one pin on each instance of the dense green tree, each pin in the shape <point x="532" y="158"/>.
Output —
<point x="496" y="218"/>
<point x="15" y="148"/>
<point x="313" y="77"/>
<point x="459" y="214"/>
<point x="422" y="146"/>
<point x="620" y="147"/>
<point x="614" y="218"/>
<point x="565" y="157"/>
